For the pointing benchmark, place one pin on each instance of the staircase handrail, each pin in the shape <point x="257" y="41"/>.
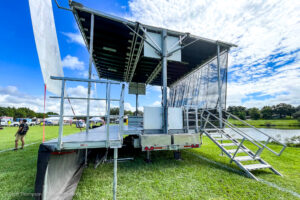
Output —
<point x="219" y="130"/>
<point x="241" y="133"/>
<point x="269" y="137"/>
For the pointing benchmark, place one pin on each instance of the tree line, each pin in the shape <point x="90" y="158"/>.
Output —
<point x="22" y="113"/>
<point x="28" y="113"/>
<point x="279" y="111"/>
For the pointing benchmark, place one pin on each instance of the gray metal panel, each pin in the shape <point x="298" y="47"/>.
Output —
<point x="155" y="140"/>
<point x="185" y="139"/>
<point x="175" y="118"/>
<point x="153" y="118"/>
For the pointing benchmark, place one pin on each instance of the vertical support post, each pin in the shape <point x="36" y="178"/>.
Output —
<point x="108" y="113"/>
<point x="90" y="73"/>
<point x="85" y="158"/>
<point x="121" y="112"/>
<point x="187" y="119"/>
<point x="164" y="76"/>
<point x="115" y="173"/>
<point x="61" y="117"/>
<point x="136" y="104"/>
<point x="196" y="118"/>
<point x="219" y="86"/>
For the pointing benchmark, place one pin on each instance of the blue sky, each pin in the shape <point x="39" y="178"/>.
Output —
<point x="263" y="70"/>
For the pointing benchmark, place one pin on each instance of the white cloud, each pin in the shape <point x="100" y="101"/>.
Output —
<point x="72" y="62"/>
<point x="11" y="96"/>
<point x="128" y="106"/>
<point x="75" y="37"/>
<point x="156" y="103"/>
<point x="283" y="86"/>
<point x="265" y="32"/>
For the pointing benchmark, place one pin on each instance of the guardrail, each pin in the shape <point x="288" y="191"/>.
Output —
<point x="107" y="99"/>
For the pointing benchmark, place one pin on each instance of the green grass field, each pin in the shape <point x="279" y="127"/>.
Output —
<point x="35" y="134"/>
<point x="275" y="123"/>
<point x="164" y="178"/>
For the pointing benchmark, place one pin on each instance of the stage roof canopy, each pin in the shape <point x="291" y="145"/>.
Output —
<point x="119" y="48"/>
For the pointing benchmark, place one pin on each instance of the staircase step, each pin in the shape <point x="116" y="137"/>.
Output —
<point x="234" y="150"/>
<point x="222" y="138"/>
<point x="228" y="144"/>
<point x="256" y="166"/>
<point x="243" y="158"/>
<point x="211" y="130"/>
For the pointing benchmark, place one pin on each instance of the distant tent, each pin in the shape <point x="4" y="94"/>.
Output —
<point x="96" y="119"/>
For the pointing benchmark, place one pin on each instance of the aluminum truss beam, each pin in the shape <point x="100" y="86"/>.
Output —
<point x="136" y="59"/>
<point x="132" y="50"/>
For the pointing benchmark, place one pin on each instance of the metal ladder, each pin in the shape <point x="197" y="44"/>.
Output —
<point x="230" y="146"/>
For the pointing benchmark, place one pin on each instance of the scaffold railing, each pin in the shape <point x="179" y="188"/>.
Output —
<point x="108" y="100"/>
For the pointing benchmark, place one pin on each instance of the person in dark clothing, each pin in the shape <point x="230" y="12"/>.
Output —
<point x="23" y="128"/>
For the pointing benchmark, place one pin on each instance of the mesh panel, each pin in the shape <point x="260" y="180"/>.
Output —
<point x="200" y="88"/>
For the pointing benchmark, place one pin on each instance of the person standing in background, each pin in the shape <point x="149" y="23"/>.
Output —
<point x="23" y="128"/>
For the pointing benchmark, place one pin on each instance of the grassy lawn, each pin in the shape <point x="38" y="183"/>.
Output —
<point x="35" y="134"/>
<point x="164" y="178"/>
<point x="274" y="123"/>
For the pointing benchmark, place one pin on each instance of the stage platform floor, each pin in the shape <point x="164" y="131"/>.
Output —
<point x="96" y="138"/>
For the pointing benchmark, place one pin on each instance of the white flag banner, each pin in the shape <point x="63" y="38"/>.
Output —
<point x="46" y="43"/>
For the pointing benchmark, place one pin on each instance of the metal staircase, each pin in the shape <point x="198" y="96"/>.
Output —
<point x="245" y="152"/>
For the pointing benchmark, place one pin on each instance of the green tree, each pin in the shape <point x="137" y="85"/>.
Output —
<point x="20" y="113"/>
<point x="296" y="115"/>
<point x="39" y="115"/>
<point x="128" y="112"/>
<point x="51" y="113"/>
<point x="139" y="112"/>
<point x="114" y="111"/>
<point x="238" y="111"/>
<point x="284" y="110"/>
<point x="3" y="111"/>
<point x="266" y="112"/>
<point x="254" y="113"/>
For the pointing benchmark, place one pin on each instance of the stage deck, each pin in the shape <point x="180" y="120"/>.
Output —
<point x="96" y="138"/>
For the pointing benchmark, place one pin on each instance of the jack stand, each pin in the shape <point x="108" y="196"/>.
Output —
<point x="86" y="158"/>
<point x="177" y="155"/>
<point x="148" y="160"/>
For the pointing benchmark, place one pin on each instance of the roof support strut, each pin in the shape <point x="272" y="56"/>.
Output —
<point x="158" y="51"/>
<point x="154" y="73"/>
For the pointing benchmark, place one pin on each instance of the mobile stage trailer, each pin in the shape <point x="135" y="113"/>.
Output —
<point x="125" y="52"/>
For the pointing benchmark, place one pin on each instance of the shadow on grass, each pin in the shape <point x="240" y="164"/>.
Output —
<point x="165" y="160"/>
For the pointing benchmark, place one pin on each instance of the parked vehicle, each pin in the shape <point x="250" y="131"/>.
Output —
<point x="4" y="121"/>
<point x="14" y="124"/>
<point x="48" y="123"/>
<point x="31" y="123"/>
<point x="80" y="124"/>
